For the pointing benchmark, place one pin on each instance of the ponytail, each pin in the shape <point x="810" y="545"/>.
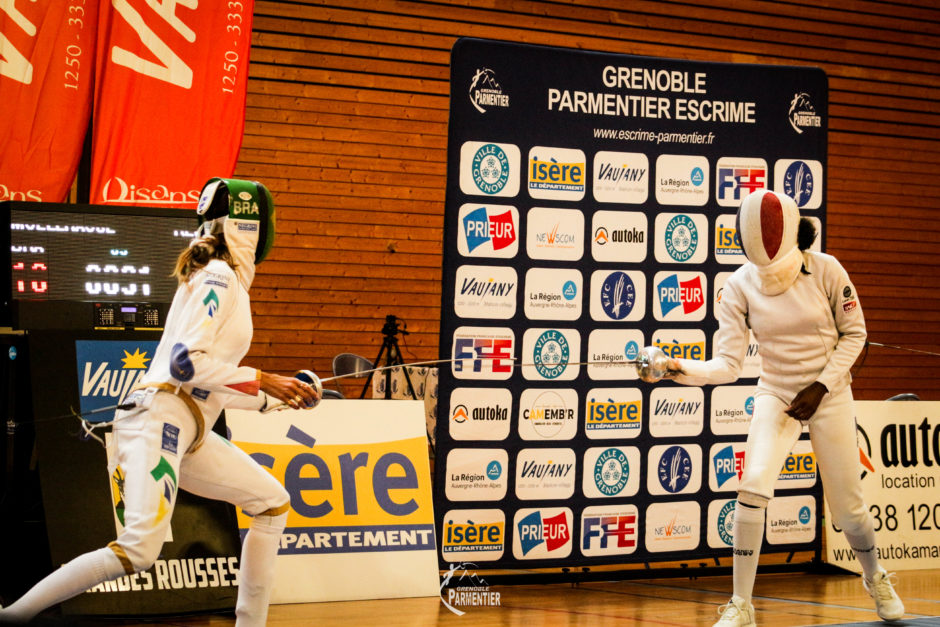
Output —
<point x="199" y="254"/>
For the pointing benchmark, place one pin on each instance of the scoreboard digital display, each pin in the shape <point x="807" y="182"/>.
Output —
<point x="60" y="253"/>
<point x="95" y="257"/>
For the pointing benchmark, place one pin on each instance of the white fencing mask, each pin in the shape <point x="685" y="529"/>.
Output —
<point x="767" y="224"/>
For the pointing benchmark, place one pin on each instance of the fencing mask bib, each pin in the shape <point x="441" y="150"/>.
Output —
<point x="243" y="211"/>
<point x="767" y="224"/>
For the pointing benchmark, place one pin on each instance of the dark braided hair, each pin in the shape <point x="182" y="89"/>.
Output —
<point x="805" y="234"/>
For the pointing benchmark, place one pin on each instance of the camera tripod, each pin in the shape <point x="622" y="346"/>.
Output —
<point x="392" y="358"/>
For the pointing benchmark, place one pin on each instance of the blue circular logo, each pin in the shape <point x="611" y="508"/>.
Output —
<point x="726" y="523"/>
<point x="618" y="295"/>
<point x="631" y="350"/>
<point x="611" y="471"/>
<point x="675" y="469"/>
<point x="681" y="238"/>
<point x="798" y="182"/>
<point x="12" y="353"/>
<point x="749" y="406"/>
<point x="697" y="176"/>
<point x="493" y="470"/>
<point x="551" y="354"/>
<point x="805" y="515"/>
<point x="569" y="290"/>
<point x="490" y="169"/>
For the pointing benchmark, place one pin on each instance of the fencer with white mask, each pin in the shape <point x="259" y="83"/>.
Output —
<point x="194" y="374"/>
<point x="805" y="314"/>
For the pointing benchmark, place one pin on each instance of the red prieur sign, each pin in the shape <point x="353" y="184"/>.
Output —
<point x="169" y="100"/>
<point x="47" y="63"/>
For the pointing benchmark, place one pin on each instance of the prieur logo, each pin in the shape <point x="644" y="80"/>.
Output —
<point x="118" y="191"/>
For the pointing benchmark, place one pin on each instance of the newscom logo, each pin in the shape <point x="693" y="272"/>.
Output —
<point x="489" y="169"/>
<point x="672" y="526"/>
<point x="555" y="234"/>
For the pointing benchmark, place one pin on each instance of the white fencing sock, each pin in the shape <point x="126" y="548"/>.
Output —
<point x="863" y="545"/>
<point x="256" y="571"/>
<point x="83" y="572"/>
<point x="748" y="536"/>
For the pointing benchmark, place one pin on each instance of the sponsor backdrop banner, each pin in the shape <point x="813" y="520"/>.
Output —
<point x="198" y="566"/>
<point x="590" y="211"/>
<point x="361" y="523"/>
<point x="169" y="99"/>
<point x="47" y="64"/>
<point x="899" y="449"/>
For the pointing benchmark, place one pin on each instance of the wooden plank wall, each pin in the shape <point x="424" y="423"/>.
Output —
<point x="347" y="125"/>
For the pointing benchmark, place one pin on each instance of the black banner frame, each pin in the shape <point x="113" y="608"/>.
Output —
<point x="501" y="95"/>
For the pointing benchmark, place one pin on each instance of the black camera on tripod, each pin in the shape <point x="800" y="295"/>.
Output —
<point x="392" y="353"/>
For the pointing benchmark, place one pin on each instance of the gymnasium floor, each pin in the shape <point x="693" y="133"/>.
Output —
<point x="781" y="600"/>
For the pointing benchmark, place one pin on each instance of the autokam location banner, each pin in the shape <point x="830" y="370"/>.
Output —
<point x="590" y="211"/>
<point x="899" y="449"/>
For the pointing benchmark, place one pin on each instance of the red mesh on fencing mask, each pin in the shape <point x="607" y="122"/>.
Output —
<point x="767" y="224"/>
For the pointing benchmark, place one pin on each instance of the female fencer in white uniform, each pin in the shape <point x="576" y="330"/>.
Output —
<point x="165" y="441"/>
<point x="806" y="318"/>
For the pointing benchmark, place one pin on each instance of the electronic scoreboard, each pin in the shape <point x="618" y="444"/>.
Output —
<point x="73" y="266"/>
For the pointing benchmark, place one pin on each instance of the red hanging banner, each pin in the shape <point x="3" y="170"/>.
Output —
<point x="169" y="100"/>
<point x="47" y="63"/>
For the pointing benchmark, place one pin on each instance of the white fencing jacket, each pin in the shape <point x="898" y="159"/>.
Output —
<point x="813" y="331"/>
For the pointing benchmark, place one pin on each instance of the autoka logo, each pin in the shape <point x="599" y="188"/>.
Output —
<point x="480" y="228"/>
<point x="118" y="191"/>
<point x="674" y="293"/>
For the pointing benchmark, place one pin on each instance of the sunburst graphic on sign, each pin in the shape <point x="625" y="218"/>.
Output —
<point x="137" y="361"/>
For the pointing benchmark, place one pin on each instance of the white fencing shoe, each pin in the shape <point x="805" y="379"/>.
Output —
<point x="736" y="613"/>
<point x="887" y="603"/>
